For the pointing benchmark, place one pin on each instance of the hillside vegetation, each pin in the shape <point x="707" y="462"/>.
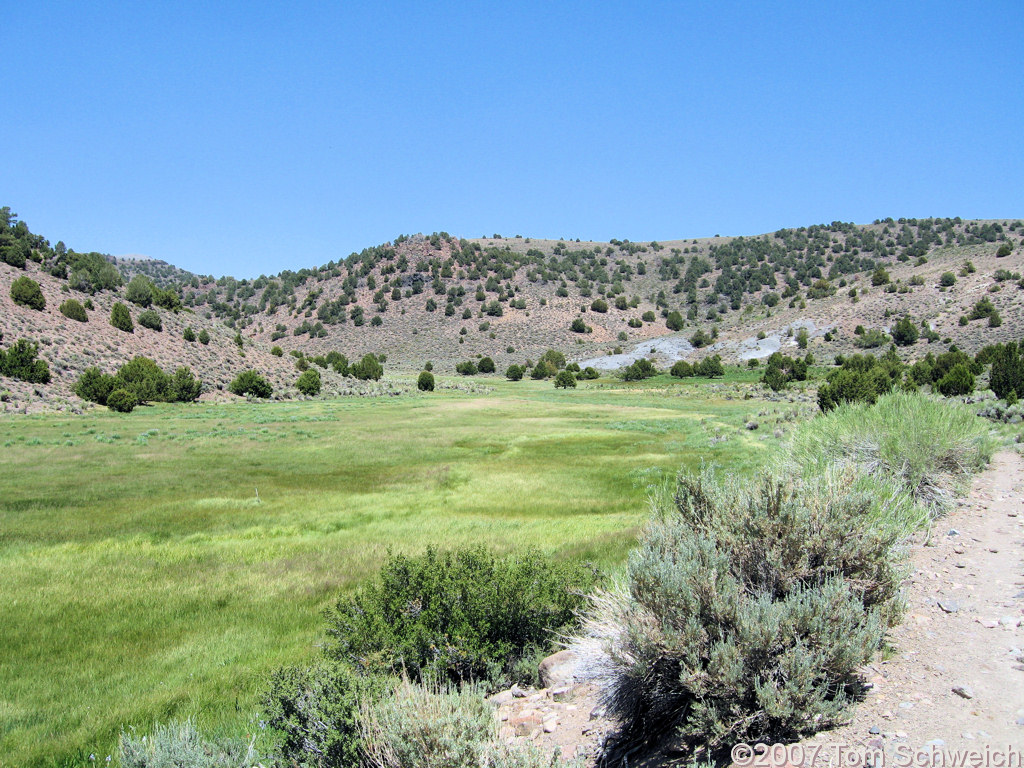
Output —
<point x="441" y="299"/>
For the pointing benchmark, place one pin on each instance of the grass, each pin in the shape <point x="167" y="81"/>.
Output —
<point x="144" y="581"/>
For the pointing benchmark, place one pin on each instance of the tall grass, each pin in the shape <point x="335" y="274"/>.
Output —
<point x="925" y="447"/>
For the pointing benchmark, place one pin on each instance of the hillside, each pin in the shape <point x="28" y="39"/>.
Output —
<point x="444" y="299"/>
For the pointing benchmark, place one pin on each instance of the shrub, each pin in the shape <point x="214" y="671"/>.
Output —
<point x="1004" y="250"/>
<point x="189" y="335"/>
<point x="180" y="745"/>
<point x="710" y="367"/>
<point x="514" y="372"/>
<point x="674" y="321"/>
<point x="639" y="370"/>
<point x="122" y="401"/>
<point x="578" y="326"/>
<point x="1007" y="374"/>
<point x="184" y="387"/>
<point x="744" y="615"/>
<point x="425" y="382"/>
<point x="139" y="291"/>
<point x="959" y="381"/>
<point x="94" y="385"/>
<point x="26" y="291"/>
<point x="589" y="373"/>
<point x="367" y="368"/>
<point x="870" y="339"/>
<point x="681" y="369"/>
<point x="276" y="351"/>
<point x="435" y="727"/>
<point x="947" y="280"/>
<point x="315" y="713"/>
<point x="120" y="318"/>
<point x="249" y="382"/>
<point x="204" y="337"/>
<point x="648" y="317"/>
<point x="73" y="310"/>
<point x="701" y="338"/>
<point x="929" y="447"/>
<point x="309" y="382"/>
<point x="337" y="361"/>
<point x="476" y="615"/>
<point x="565" y="380"/>
<point x="556" y="358"/>
<point x="905" y="332"/>
<point x="599" y="305"/>
<point x="21" y="361"/>
<point x="466" y="368"/>
<point x="486" y="365"/>
<point x="150" y="319"/>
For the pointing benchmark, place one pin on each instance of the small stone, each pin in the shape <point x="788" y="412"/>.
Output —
<point x="874" y="730"/>
<point x="901" y="734"/>
<point x="969" y="736"/>
<point x="1020" y="721"/>
<point x="1019" y="596"/>
<point x="949" y="606"/>
<point x="988" y="623"/>
<point x="963" y="691"/>
<point x="958" y="549"/>
<point x="502" y="697"/>
<point x="1009" y="621"/>
<point x="550" y="726"/>
<point x="960" y="564"/>
<point x="993" y="550"/>
<point x="597" y="712"/>
<point x="953" y="532"/>
<point x="517" y="692"/>
<point x="906" y="705"/>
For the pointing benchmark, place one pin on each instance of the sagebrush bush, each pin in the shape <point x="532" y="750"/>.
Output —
<point x="458" y="616"/>
<point x="434" y="727"/>
<point x="181" y="745"/>
<point x="744" y="615"/>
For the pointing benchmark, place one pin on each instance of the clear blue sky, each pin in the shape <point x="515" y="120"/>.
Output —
<point x="249" y="137"/>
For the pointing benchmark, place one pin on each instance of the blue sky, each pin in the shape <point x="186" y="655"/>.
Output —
<point x="249" y="137"/>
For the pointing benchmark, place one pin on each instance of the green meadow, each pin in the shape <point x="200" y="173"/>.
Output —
<point x="160" y="564"/>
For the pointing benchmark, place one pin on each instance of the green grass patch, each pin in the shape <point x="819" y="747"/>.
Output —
<point x="144" y="581"/>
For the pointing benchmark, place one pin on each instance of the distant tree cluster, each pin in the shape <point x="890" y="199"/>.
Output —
<point x="21" y="361"/>
<point x="143" y="380"/>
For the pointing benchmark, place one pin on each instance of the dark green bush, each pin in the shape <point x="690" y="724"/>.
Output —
<point x="183" y="386"/>
<point x="599" y="305"/>
<point x="150" y="319"/>
<point x="1007" y="374"/>
<point x="249" y="382"/>
<point x="315" y="712"/>
<point x="578" y="326"/>
<point x="26" y="291"/>
<point x="674" y="321"/>
<point x="466" y="368"/>
<point x="959" y="381"/>
<point x="486" y="365"/>
<point x="565" y="380"/>
<point x="189" y="335"/>
<point x="309" y="382"/>
<point x="204" y="337"/>
<point x="276" y="351"/>
<point x="589" y="373"/>
<point x="905" y="332"/>
<point x="22" y="362"/>
<point x="425" y="382"/>
<point x="638" y="370"/>
<point x="464" y="615"/>
<point x="73" y="310"/>
<point x="94" y="385"/>
<point x="367" y="368"/>
<point x="122" y="401"/>
<point x="121" y="318"/>
<point x="140" y="291"/>
<point x="746" y="613"/>
<point x="710" y="367"/>
<point x="681" y="369"/>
